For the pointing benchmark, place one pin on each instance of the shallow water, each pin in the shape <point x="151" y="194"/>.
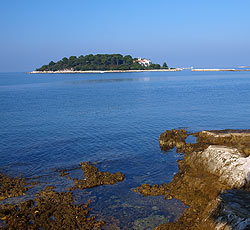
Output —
<point x="51" y="122"/>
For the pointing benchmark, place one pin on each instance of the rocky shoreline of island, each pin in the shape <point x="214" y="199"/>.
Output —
<point x="105" y="71"/>
<point x="133" y="71"/>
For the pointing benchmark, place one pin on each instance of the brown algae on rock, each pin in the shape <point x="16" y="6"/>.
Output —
<point x="239" y="139"/>
<point x="93" y="177"/>
<point x="177" y="138"/>
<point x="13" y="187"/>
<point x="49" y="210"/>
<point x="173" y="138"/>
<point x="154" y="190"/>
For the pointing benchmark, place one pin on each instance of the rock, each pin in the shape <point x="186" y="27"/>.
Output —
<point x="228" y="164"/>
<point x="94" y="178"/>
<point x="177" y="138"/>
<point x="173" y="138"/>
<point x="239" y="139"/>
<point x="213" y="180"/>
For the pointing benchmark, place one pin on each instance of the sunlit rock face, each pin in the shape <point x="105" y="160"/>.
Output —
<point x="232" y="168"/>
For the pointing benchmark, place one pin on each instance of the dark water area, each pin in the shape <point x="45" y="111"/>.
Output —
<point x="51" y="122"/>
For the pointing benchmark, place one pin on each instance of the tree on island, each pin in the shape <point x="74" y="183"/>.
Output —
<point x="164" y="66"/>
<point x="97" y="62"/>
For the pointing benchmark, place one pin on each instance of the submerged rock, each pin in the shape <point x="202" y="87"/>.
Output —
<point x="149" y="222"/>
<point x="154" y="190"/>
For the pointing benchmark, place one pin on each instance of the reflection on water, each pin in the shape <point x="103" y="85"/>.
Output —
<point x="52" y="122"/>
<point x="94" y="81"/>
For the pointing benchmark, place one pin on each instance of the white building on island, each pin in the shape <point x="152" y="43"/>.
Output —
<point x="145" y="62"/>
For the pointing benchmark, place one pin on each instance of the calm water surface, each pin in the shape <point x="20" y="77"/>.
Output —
<point x="51" y="122"/>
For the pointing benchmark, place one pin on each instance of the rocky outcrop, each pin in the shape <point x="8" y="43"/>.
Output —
<point x="239" y="139"/>
<point x="231" y="167"/>
<point x="213" y="180"/>
<point x="177" y="138"/>
<point x="173" y="138"/>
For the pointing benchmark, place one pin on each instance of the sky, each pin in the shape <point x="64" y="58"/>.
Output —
<point x="203" y="34"/>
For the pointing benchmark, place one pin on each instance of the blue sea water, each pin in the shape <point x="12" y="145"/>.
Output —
<point x="50" y="122"/>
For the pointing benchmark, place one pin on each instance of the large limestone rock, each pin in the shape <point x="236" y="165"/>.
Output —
<point x="228" y="164"/>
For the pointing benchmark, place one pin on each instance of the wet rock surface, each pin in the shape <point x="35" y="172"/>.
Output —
<point x="50" y="210"/>
<point x="215" y="163"/>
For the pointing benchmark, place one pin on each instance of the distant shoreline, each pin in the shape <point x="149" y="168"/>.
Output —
<point x="210" y="70"/>
<point x="133" y="71"/>
<point x="106" y="71"/>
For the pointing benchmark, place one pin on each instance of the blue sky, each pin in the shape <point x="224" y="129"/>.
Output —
<point x="183" y="33"/>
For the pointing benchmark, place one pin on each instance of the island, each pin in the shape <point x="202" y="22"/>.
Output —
<point x="102" y="63"/>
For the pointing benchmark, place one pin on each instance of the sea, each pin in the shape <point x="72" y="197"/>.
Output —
<point x="53" y="122"/>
